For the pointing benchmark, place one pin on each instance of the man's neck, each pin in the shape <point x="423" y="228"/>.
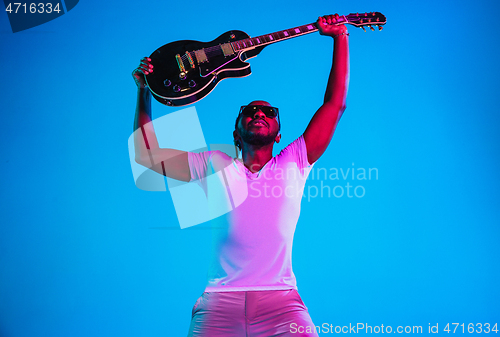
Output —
<point x="254" y="158"/>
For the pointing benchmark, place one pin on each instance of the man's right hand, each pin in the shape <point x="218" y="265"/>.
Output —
<point x="144" y="68"/>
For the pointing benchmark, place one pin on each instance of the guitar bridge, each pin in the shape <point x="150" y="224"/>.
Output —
<point x="190" y="59"/>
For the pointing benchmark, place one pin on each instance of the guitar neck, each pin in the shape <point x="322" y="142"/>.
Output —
<point x="357" y="20"/>
<point x="264" y="40"/>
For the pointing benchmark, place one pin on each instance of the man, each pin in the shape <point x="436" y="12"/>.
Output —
<point x="251" y="289"/>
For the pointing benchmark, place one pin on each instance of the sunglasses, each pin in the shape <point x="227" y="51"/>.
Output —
<point x="250" y="110"/>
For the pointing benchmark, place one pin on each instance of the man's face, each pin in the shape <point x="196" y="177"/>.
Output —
<point x="258" y="129"/>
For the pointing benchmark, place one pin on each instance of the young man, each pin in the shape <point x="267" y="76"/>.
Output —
<point x="251" y="288"/>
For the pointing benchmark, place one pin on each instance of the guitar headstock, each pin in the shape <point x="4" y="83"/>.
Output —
<point x="367" y="19"/>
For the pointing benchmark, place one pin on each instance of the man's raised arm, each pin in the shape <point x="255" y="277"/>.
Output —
<point x="169" y="162"/>
<point x="320" y="130"/>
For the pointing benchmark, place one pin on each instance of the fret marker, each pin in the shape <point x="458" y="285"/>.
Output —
<point x="297" y="30"/>
<point x="310" y="27"/>
<point x="258" y="41"/>
<point x="270" y="37"/>
<point x="285" y="33"/>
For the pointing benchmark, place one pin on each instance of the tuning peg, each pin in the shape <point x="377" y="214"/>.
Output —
<point x="364" y="30"/>
<point x="373" y="29"/>
<point x="379" y="27"/>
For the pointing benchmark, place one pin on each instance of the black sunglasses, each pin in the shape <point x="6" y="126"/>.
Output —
<point x="250" y="110"/>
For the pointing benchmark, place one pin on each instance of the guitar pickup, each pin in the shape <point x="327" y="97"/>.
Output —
<point x="200" y="56"/>
<point x="227" y="49"/>
<point x="180" y="63"/>
<point x="190" y="59"/>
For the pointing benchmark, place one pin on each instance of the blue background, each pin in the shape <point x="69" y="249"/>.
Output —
<point x="83" y="252"/>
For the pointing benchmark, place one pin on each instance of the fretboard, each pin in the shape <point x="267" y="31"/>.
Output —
<point x="266" y="39"/>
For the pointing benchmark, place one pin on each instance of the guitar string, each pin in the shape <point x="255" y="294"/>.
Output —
<point x="280" y="35"/>
<point x="276" y="36"/>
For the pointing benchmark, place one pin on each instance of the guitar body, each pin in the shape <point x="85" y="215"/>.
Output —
<point x="179" y="79"/>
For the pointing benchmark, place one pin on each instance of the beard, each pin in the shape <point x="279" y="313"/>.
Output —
<point x="257" y="139"/>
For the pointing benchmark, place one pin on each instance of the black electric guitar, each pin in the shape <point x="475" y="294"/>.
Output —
<point x="186" y="71"/>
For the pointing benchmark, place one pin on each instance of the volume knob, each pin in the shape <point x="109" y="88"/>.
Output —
<point x="192" y="84"/>
<point x="177" y="88"/>
<point x="167" y="82"/>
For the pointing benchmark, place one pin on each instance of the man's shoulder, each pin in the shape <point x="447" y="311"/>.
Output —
<point x="297" y="145"/>
<point x="215" y="157"/>
<point x="295" y="152"/>
<point x="209" y="155"/>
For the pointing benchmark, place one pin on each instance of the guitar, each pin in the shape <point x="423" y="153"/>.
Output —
<point x="186" y="71"/>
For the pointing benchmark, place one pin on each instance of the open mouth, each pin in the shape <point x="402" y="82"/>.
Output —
<point x="258" y="122"/>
